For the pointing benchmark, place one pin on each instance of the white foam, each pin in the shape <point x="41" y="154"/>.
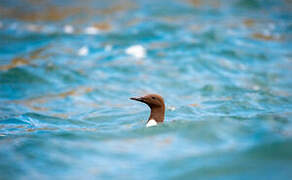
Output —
<point x="33" y="27"/>
<point x="137" y="51"/>
<point x="68" y="29"/>
<point x="108" y="48"/>
<point x="91" y="30"/>
<point x="256" y="87"/>
<point x="171" y="108"/>
<point x="83" y="51"/>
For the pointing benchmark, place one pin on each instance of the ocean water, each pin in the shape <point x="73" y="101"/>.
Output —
<point x="68" y="69"/>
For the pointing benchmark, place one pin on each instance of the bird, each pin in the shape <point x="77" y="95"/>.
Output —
<point x="156" y="104"/>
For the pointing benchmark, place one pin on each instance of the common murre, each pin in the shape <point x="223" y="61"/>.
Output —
<point x="157" y="106"/>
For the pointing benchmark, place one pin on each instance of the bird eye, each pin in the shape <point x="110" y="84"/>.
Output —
<point x="153" y="98"/>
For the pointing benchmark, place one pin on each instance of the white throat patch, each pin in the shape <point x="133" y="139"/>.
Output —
<point x="151" y="122"/>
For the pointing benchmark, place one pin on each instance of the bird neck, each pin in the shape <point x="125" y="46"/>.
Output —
<point x="157" y="113"/>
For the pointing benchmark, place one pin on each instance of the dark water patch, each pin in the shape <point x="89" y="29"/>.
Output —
<point x="235" y="166"/>
<point x="20" y="75"/>
<point x="13" y="121"/>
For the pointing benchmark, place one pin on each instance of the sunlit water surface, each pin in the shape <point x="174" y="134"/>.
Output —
<point x="68" y="68"/>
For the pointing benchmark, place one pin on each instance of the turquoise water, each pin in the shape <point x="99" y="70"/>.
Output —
<point x="68" y="68"/>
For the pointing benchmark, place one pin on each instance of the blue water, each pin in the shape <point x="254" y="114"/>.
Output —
<point x="68" y="68"/>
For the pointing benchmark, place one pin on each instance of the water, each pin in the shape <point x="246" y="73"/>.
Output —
<point x="68" y="68"/>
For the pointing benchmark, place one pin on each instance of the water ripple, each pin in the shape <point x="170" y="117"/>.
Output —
<point x="67" y="71"/>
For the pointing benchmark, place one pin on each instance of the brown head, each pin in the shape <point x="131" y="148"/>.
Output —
<point x="156" y="104"/>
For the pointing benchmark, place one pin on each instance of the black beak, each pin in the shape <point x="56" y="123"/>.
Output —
<point x="141" y="99"/>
